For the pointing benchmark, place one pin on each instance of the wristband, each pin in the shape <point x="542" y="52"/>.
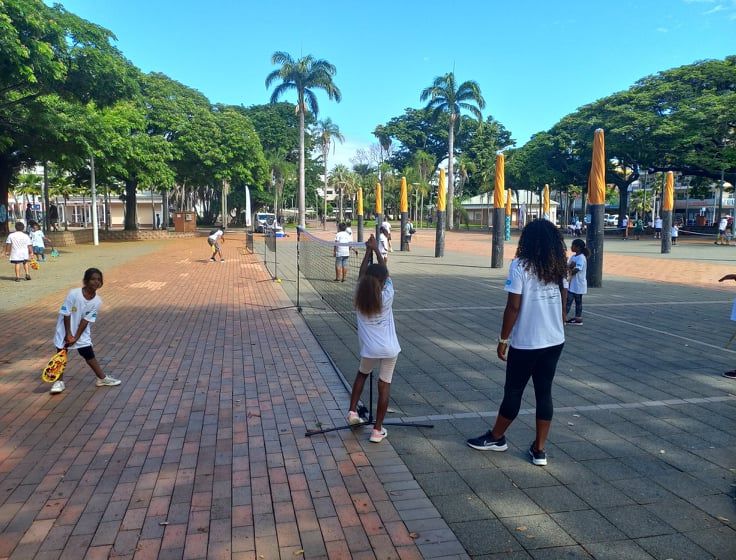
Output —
<point x="503" y="340"/>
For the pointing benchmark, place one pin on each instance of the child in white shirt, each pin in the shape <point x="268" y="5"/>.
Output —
<point x="20" y="250"/>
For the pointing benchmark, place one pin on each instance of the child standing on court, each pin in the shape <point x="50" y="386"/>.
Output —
<point x="578" y="266"/>
<point x="675" y="231"/>
<point x="19" y="248"/>
<point x="379" y="345"/>
<point x="73" y="327"/>
<point x="216" y="235"/>
<point x="384" y="238"/>
<point x="38" y="239"/>
<point x="341" y="252"/>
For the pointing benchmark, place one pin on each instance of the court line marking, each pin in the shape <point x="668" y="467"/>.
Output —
<point x="651" y="329"/>
<point x="573" y="409"/>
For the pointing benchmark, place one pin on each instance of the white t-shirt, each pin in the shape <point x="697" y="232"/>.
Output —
<point x="377" y="333"/>
<point x="675" y="231"/>
<point x="722" y="224"/>
<point x="539" y="324"/>
<point x="579" y="281"/>
<point x="350" y="231"/>
<point x="383" y="244"/>
<point x="37" y="238"/>
<point x="342" y="250"/>
<point x="77" y="307"/>
<point x="215" y="236"/>
<point x="658" y="223"/>
<point x="386" y="226"/>
<point x="19" y="242"/>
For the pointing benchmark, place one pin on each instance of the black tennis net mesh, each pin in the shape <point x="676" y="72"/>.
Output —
<point x="317" y="265"/>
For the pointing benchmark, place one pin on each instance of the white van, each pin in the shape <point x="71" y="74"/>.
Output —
<point x="263" y="220"/>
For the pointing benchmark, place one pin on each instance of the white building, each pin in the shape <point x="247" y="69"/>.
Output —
<point x="525" y="207"/>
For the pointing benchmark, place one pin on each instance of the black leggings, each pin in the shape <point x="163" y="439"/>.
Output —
<point x="538" y="364"/>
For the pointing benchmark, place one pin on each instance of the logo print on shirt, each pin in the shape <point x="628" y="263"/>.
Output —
<point x="74" y="309"/>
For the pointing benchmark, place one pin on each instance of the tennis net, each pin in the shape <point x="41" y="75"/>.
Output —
<point x="316" y="262"/>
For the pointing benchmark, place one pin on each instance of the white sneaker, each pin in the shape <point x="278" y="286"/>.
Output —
<point x="354" y="419"/>
<point x="107" y="381"/>
<point x="57" y="387"/>
<point x="378" y="436"/>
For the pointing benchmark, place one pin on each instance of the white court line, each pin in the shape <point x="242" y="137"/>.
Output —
<point x="692" y="340"/>
<point x="565" y="409"/>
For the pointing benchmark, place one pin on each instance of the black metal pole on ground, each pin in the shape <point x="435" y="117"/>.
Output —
<point x="360" y="227"/>
<point x="369" y="420"/>
<point x="595" y="245"/>
<point x="439" y="242"/>
<point x="499" y="225"/>
<point x="404" y="218"/>
<point x="666" y="231"/>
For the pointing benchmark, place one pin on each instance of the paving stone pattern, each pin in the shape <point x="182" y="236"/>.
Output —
<point x="201" y="452"/>
<point x="641" y="451"/>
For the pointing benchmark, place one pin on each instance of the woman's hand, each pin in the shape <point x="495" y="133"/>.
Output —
<point x="501" y="350"/>
<point x="372" y="244"/>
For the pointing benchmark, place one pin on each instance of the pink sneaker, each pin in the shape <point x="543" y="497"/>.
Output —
<point x="354" y="419"/>
<point x="377" y="436"/>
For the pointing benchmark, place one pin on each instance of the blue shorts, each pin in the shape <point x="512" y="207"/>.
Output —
<point x="341" y="262"/>
<point x="38" y="250"/>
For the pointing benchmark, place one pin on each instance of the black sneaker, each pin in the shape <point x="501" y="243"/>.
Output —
<point x="538" y="457"/>
<point x="487" y="443"/>
<point x="730" y="374"/>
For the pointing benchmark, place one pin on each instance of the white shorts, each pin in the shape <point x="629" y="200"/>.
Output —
<point x="385" y="367"/>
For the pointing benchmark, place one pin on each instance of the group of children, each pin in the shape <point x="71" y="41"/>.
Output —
<point x="24" y="248"/>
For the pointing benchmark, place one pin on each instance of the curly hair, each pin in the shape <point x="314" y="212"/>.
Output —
<point x="543" y="251"/>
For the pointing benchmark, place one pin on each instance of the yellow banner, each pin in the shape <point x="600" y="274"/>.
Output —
<point x="441" y="192"/>
<point x="668" y="199"/>
<point x="545" y="200"/>
<point x="508" y="202"/>
<point x="360" y="201"/>
<point x="597" y="177"/>
<point x="403" y="201"/>
<point x="379" y="200"/>
<point x="499" y="185"/>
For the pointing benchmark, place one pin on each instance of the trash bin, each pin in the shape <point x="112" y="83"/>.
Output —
<point x="185" y="221"/>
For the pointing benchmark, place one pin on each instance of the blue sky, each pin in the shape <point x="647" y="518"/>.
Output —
<point x="534" y="60"/>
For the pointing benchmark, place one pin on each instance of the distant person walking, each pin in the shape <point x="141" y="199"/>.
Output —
<point x="379" y="345"/>
<point x="19" y="248"/>
<point x="29" y="213"/>
<point x="387" y="226"/>
<point x="383" y="242"/>
<point x="625" y="226"/>
<point x="638" y="228"/>
<point x="658" y="228"/>
<point x="675" y="233"/>
<point x="341" y="252"/>
<point x="73" y="327"/>
<point x="408" y="232"/>
<point x="577" y="264"/>
<point x="39" y="240"/>
<point x="216" y="236"/>
<point x="722" y="225"/>
<point x="532" y="333"/>
<point x="53" y="217"/>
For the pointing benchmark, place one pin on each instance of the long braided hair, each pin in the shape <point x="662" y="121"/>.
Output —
<point x="543" y="252"/>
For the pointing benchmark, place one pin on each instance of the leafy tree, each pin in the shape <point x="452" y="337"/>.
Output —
<point x="304" y="76"/>
<point x="445" y="96"/>
<point x="48" y="51"/>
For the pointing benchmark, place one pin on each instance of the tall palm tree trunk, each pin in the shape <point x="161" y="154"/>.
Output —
<point x="302" y="198"/>
<point x="325" y="151"/>
<point x="451" y="176"/>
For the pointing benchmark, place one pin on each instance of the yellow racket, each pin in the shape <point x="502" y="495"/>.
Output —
<point x="55" y="368"/>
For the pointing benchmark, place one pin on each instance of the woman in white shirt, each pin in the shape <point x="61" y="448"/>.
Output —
<point x="383" y="242"/>
<point x="533" y="327"/>
<point x="379" y="345"/>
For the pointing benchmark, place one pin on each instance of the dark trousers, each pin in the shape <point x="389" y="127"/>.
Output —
<point x="540" y="365"/>
<point x="578" y="304"/>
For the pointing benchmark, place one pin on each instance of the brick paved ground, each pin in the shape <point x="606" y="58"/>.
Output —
<point x="200" y="453"/>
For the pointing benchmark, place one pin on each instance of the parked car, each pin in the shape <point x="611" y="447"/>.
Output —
<point x="262" y="220"/>
<point x="610" y="219"/>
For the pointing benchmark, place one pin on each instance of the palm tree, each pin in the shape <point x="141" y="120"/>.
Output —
<point x="326" y="131"/>
<point x="445" y="97"/>
<point x="303" y="75"/>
